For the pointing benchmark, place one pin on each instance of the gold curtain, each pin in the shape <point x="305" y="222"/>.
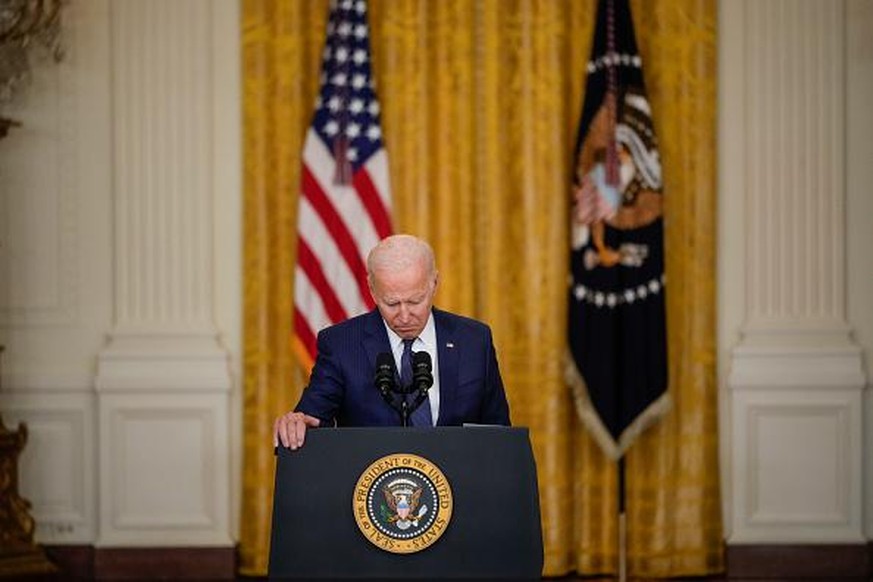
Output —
<point x="480" y="101"/>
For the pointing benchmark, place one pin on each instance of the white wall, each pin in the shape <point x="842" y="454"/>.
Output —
<point x="859" y="209"/>
<point x="56" y="245"/>
<point x="120" y="278"/>
<point x="795" y="272"/>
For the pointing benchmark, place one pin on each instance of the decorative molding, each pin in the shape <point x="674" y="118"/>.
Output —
<point x="57" y="466"/>
<point x="164" y="470"/>
<point x="775" y="366"/>
<point x="38" y="382"/>
<point x="156" y="481"/>
<point x="147" y="361"/>
<point x="797" y="466"/>
<point x="41" y="280"/>
<point x="798" y="485"/>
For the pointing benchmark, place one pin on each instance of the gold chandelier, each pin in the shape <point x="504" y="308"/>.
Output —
<point x="25" y="24"/>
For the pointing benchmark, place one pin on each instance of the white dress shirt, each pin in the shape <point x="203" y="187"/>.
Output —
<point x="426" y="342"/>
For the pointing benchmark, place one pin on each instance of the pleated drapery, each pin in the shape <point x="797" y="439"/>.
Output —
<point x="480" y="103"/>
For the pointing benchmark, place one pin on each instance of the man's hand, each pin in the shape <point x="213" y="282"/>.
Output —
<point x="290" y="428"/>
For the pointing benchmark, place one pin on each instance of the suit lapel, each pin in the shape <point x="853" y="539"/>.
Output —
<point x="375" y="337"/>
<point x="448" y="354"/>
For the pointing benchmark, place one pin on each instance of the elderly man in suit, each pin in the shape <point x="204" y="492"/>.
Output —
<point x="467" y="386"/>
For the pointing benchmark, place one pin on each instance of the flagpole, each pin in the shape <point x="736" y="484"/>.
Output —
<point x="622" y="523"/>
<point x="612" y="179"/>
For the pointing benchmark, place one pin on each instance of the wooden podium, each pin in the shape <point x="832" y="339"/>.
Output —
<point x="446" y="502"/>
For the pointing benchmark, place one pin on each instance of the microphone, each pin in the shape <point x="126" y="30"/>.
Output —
<point x="422" y="375"/>
<point x="385" y="374"/>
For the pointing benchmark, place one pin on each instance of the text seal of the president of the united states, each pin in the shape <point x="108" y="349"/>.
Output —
<point x="402" y="503"/>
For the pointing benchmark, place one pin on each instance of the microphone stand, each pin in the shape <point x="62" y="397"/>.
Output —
<point x="401" y="408"/>
<point x="404" y="409"/>
<point x="404" y="413"/>
<point x="422" y="394"/>
<point x="387" y="388"/>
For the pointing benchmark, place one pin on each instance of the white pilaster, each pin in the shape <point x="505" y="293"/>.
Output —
<point x="796" y="379"/>
<point x="164" y="378"/>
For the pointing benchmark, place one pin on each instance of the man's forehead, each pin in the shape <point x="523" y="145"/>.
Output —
<point x="403" y="292"/>
<point x="403" y="287"/>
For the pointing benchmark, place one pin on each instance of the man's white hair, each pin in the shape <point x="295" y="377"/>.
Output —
<point x="399" y="252"/>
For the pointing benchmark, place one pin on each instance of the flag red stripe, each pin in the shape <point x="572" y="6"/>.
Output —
<point x="372" y="202"/>
<point x="304" y="333"/>
<point x="338" y="231"/>
<point x="311" y="266"/>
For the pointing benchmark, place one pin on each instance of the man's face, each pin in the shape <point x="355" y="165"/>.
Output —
<point x="404" y="298"/>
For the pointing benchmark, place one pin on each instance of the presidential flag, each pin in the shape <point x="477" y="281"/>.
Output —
<point x="616" y="321"/>
<point x="345" y="196"/>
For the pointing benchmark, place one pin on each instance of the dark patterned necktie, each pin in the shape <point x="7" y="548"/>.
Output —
<point x="420" y="416"/>
<point x="406" y="363"/>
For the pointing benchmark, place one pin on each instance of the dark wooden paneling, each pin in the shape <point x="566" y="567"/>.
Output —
<point x="799" y="561"/>
<point x="173" y="563"/>
<point x="750" y="563"/>
<point x="88" y="563"/>
<point x="75" y="561"/>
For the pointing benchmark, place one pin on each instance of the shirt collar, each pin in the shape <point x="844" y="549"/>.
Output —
<point x="427" y="337"/>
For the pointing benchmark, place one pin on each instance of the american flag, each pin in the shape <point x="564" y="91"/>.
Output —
<point x="345" y="201"/>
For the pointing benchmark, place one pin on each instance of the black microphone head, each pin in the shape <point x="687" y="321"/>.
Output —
<point x="384" y="361"/>
<point x="422" y="376"/>
<point x="421" y="360"/>
<point x="385" y="374"/>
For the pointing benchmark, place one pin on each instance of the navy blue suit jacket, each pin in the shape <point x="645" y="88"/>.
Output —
<point x="341" y="387"/>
